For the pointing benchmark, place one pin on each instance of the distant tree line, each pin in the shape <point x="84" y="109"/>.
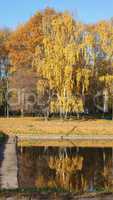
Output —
<point x="54" y="64"/>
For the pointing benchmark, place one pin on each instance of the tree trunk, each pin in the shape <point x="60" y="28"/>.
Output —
<point x="7" y="106"/>
<point x="106" y="98"/>
<point x="22" y="112"/>
<point x="112" y="108"/>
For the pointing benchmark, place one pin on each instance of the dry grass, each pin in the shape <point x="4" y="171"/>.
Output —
<point x="37" y="126"/>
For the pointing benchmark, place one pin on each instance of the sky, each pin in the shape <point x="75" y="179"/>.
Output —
<point x="15" y="12"/>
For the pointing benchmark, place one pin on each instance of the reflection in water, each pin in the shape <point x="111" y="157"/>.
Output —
<point x="74" y="169"/>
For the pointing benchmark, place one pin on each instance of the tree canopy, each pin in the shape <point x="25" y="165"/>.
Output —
<point x="72" y="62"/>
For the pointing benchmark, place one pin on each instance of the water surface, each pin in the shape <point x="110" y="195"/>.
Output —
<point x="73" y="169"/>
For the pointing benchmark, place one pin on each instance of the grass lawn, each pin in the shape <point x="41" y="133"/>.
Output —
<point x="30" y="125"/>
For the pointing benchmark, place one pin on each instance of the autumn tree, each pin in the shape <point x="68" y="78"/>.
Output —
<point x="23" y="42"/>
<point x="68" y="79"/>
<point x="4" y="67"/>
<point x="104" y="29"/>
<point x="71" y="62"/>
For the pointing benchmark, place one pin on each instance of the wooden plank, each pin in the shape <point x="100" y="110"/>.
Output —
<point x="9" y="169"/>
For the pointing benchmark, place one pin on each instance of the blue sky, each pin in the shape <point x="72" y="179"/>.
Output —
<point x="14" y="12"/>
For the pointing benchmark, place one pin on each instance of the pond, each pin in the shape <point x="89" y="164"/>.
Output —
<point x="70" y="168"/>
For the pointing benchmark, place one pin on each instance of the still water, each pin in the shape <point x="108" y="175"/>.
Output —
<point x="73" y="169"/>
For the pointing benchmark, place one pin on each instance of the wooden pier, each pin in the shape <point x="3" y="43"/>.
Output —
<point x="8" y="169"/>
<point x="66" y="140"/>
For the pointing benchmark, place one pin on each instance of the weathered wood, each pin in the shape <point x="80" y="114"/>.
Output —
<point x="66" y="140"/>
<point x="9" y="169"/>
<point x="65" y="137"/>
